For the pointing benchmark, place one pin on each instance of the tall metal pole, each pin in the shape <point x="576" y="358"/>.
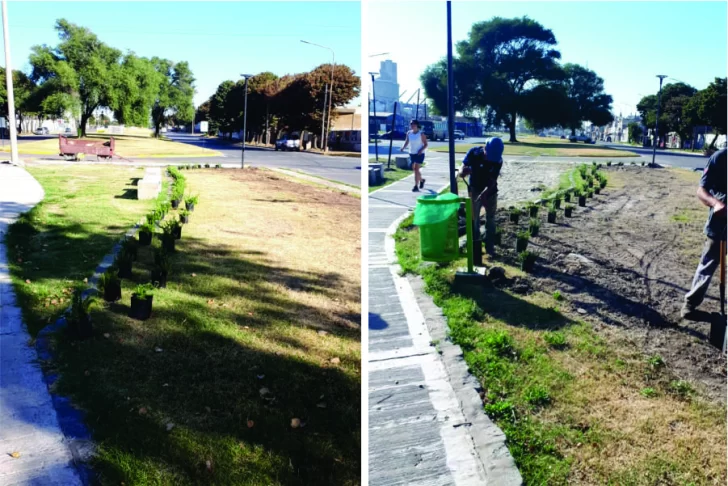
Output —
<point x="657" y="121"/>
<point x="9" y="84"/>
<point x="417" y="112"/>
<point x="451" y="102"/>
<point x="323" y="116"/>
<point x="376" y="124"/>
<point x="245" y="120"/>
<point x="267" y="116"/>
<point x="331" y="97"/>
<point x="391" y="138"/>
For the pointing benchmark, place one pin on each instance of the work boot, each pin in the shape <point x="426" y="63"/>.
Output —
<point x="689" y="311"/>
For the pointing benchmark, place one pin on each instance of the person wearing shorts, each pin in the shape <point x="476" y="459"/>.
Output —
<point x="417" y="142"/>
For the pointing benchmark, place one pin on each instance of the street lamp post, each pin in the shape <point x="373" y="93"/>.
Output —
<point x="245" y="118"/>
<point x="331" y="90"/>
<point x="657" y="121"/>
<point x="374" y="109"/>
<point x="14" y="159"/>
<point x="451" y="102"/>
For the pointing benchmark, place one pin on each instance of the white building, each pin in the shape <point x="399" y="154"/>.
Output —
<point x="386" y="87"/>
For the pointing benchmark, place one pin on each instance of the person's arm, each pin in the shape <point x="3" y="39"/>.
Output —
<point x="707" y="181"/>
<point x="406" y="142"/>
<point x="424" y="143"/>
<point x="465" y="168"/>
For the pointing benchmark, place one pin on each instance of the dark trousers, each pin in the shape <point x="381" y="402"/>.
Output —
<point x="709" y="261"/>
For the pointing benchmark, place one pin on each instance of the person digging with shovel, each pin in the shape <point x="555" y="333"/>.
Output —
<point x="712" y="193"/>
<point x="483" y="164"/>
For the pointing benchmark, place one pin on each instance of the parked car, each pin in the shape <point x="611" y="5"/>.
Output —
<point x="459" y="134"/>
<point x="579" y="138"/>
<point x="41" y="131"/>
<point x="68" y="131"/>
<point x="289" y="142"/>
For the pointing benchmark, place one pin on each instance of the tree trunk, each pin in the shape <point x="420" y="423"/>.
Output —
<point x="573" y="132"/>
<point x="20" y="122"/>
<point x="84" y="121"/>
<point x="512" y="128"/>
<point x="712" y="144"/>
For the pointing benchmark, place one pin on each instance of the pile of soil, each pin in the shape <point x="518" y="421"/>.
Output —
<point x="626" y="261"/>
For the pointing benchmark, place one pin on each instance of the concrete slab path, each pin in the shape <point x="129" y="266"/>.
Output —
<point x="28" y="421"/>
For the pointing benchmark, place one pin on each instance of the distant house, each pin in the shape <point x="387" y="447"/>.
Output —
<point x="345" y="131"/>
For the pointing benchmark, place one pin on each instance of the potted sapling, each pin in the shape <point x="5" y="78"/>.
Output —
<point x="78" y="317"/>
<point x="567" y="195"/>
<point x="161" y="269"/>
<point x="515" y="214"/>
<point x="123" y="263"/>
<point x="533" y="226"/>
<point x="141" y="302"/>
<point x="522" y="238"/>
<point x="581" y="197"/>
<point x="190" y="202"/>
<point x="175" y="228"/>
<point x="177" y="195"/>
<point x="532" y="209"/>
<point x="184" y="217"/>
<point x="218" y="166"/>
<point x="590" y="193"/>
<point x="568" y="210"/>
<point x="527" y="260"/>
<point x="609" y="163"/>
<point x="556" y="202"/>
<point x="498" y="239"/>
<point x="167" y="236"/>
<point x="552" y="214"/>
<point x="207" y="166"/>
<point x="110" y="285"/>
<point x="145" y="234"/>
<point x="597" y="189"/>
<point x="130" y="245"/>
<point x="603" y="182"/>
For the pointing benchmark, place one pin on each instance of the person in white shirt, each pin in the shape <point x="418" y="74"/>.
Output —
<point x="417" y="142"/>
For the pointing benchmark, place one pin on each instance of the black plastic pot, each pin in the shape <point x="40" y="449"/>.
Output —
<point x="597" y="190"/>
<point x="589" y="194"/>
<point x="80" y="330"/>
<point x="551" y="218"/>
<point x="168" y="244"/>
<point x="582" y="201"/>
<point x="177" y="233"/>
<point x="190" y="207"/>
<point x="112" y="292"/>
<point x="533" y="211"/>
<point x="534" y="230"/>
<point x="527" y="264"/>
<point x="184" y="219"/>
<point x="521" y="245"/>
<point x="514" y="218"/>
<point x="557" y="203"/>
<point x="141" y="308"/>
<point x="145" y="238"/>
<point x="567" y="197"/>
<point x="159" y="278"/>
<point x="124" y="270"/>
<point x="567" y="212"/>
<point x="590" y="183"/>
<point x="175" y="203"/>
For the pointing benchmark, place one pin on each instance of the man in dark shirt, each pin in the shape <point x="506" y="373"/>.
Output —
<point x="712" y="193"/>
<point x="483" y="164"/>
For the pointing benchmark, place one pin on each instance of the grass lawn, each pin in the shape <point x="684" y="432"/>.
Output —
<point x="259" y="325"/>
<point x="391" y="176"/>
<point x="61" y="241"/>
<point x="576" y="407"/>
<point x="126" y="146"/>
<point x="553" y="147"/>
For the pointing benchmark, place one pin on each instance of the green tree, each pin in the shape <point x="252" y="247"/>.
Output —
<point x="138" y="84"/>
<point x="674" y="96"/>
<point x="174" y="96"/>
<point x="222" y="116"/>
<point x="25" y="94"/>
<point x="497" y="66"/>
<point x="586" y="96"/>
<point x="634" y="131"/>
<point x="81" y="70"/>
<point x="546" y="106"/>
<point x="708" y="107"/>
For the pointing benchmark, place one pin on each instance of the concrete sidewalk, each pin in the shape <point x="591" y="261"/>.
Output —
<point x="28" y="421"/>
<point x="418" y="430"/>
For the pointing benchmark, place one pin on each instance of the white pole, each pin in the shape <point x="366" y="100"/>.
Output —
<point x="9" y="81"/>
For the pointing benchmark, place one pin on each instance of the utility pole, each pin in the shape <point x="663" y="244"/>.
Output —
<point x="391" y="138"/>
<point x="323" y="116"/>
<point x="657" y="122"/>
<point x="9" y="84"/>
<point x="451" y="102"/>
<point x="245" y="118"/>
<point x="376" y="124"/>
<point x="331" y="88"/>
<point x="417" y="112"/>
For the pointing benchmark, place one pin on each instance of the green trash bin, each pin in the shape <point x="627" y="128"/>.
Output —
<point x="437" y="218"/>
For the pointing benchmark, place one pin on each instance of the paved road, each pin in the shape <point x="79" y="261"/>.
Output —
<point x="341" y="169"/>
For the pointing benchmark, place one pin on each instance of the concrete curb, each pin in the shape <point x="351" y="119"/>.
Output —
<point x="488" y="439"/>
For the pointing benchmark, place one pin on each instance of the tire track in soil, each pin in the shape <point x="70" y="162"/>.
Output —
<point x="641" y="263"/>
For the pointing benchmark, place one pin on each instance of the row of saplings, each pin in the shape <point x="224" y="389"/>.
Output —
<point x="109" y="283"/>
<point x="594" y="181"/>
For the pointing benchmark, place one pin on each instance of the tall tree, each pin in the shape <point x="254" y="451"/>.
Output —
<point x="709" y="107"/>
<point x="138" y="83"/>
<point x="498" y="64"/>
<point x="222" y="116"/>
<point x="546" y="106"/>
<point x="80" y="70"/>
<point x="174" y="97"/>
<point x="647" y="107"/>
<point x="25" y="94"/>
<point x="586" y="96"/>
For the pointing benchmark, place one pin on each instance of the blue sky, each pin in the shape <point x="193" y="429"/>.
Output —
<point x="220" y="40"/>
<point x="626" y="43"/>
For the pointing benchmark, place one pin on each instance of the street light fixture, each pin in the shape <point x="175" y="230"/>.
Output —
<point x="331" y="90"/>
<point x="657" y="121"/>
<point x="245" y="118"/>
<point x="14" y="159"/>
<point x="374" y="109"/>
